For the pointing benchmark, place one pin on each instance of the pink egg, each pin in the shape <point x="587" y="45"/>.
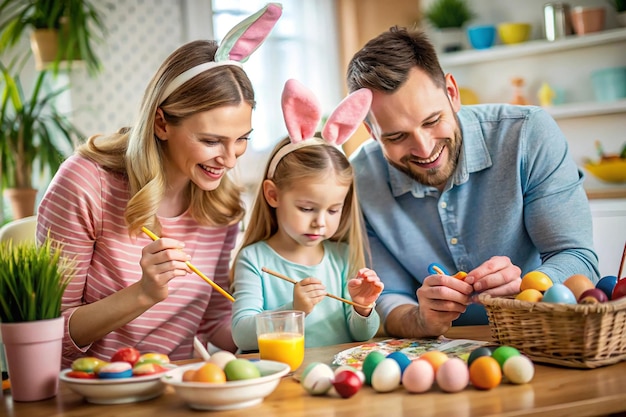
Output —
<point x="453" y="375"/>
<point x="418" y="376"/>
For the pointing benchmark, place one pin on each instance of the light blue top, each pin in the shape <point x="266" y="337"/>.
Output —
<point x="330" y="322"/>
<point x="516" y="192"/>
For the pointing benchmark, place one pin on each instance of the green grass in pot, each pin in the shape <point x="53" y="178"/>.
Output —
<point x="32" y="281"/>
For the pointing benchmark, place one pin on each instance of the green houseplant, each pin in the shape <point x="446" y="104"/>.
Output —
<point x="72" y="27"/>
<point x="32" y="134"/>
<point x="448" y="13"/>
<point x="448" y="18"/>
<point x="32" y="281"/>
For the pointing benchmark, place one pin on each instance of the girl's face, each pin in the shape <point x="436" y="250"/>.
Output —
<point x="206" y="145"/>
<point x="309" y="212"/>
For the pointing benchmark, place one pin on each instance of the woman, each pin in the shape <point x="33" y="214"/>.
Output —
<point x="169" y="174"/>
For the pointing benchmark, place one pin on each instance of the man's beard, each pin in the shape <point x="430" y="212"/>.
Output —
<point x="436" y="176"/>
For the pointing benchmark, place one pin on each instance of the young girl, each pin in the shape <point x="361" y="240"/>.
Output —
<point x="306" y="225"/>
<point x="168" y="173"/>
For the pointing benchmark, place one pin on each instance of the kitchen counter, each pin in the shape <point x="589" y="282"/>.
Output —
<point x="597" y="189"/>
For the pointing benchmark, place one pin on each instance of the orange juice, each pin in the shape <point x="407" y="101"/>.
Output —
<point x="282" y="347"/>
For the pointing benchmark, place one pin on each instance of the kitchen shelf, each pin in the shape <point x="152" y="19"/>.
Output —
<point x="571" y="110"/>
<point x="535" y="47"/>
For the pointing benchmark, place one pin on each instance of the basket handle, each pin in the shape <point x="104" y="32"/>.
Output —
<point x="621" y="264"/>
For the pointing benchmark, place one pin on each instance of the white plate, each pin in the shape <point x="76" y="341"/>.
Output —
<point x="116" y="390"/>
<point x="229" y="395"/>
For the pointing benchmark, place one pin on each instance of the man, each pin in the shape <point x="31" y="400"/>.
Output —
<point x="490" y="190"/>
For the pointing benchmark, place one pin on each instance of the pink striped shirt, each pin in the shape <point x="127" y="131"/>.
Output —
<point x="84" y="208"/>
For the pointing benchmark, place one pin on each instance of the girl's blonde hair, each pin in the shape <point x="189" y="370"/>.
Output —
<point x="137" y="153"/>
<point x="306" y="164"/>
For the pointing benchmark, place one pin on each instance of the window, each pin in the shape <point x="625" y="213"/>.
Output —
<point x="303" y="46"/>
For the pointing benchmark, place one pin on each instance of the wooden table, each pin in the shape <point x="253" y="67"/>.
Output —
<point x="554" y="391"/>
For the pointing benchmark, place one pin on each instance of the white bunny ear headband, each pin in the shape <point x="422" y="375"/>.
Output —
<point x="302" y="113"/>
<point x="236" y="47"/>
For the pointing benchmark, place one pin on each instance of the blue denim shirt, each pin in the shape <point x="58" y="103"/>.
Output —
<point x="516" y="192"/>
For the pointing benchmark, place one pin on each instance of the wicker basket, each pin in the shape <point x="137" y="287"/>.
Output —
<point x="572" y="335"/>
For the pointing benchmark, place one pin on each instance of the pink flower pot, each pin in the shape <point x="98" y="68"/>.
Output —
<point x="588" y="19"/>
<point x="33" y="353"/>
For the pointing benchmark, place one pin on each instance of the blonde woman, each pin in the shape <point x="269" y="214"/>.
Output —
<point x="168" y="173"/>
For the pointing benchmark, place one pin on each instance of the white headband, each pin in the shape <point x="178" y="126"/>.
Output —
<point x="192" y="72"/>
<point x="287" y="149"/>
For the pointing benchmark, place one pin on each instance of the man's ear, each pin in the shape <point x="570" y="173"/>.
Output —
<point x="270" y="192"/>
<point x="160" y="125"/>
<point x="452" y="90"/>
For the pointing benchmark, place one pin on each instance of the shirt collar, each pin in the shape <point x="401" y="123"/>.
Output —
<point x="474" y="157"/>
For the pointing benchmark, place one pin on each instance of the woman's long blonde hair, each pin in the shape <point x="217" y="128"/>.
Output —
<point x="308" y="164"/>
<point x="136" y="152"/>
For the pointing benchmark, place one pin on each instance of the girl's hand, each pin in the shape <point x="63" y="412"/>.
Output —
<point x="161" y="261"/>
<point x="307" y="293"/>
<point x="364" y="289"/>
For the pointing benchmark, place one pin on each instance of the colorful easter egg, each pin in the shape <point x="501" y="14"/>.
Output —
<point x="418" y="377"/>
<point x="387" y="376"/>
<point x="116" y="370"/>
<point x="607" y="284"/>
<point x="452" y="375"/>
<point x="519" y="369"/>
<point x="347" y="383"/>
<point x="370" y="363"/>
<point x="317" y="378"/>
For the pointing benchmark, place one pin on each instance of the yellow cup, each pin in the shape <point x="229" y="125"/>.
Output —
<point x="280" y="335"/>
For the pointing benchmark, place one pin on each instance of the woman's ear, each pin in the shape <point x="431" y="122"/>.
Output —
<point x="160" y="125"/>
<point x="270" y="192"/>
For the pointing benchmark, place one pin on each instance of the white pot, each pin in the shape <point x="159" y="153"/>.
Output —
<point x="449" y="39"/>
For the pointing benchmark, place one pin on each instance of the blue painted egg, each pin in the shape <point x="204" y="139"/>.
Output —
<point x="116" y="370"/>
<point x="606" y="284"/>
<point x="559" y="293"/>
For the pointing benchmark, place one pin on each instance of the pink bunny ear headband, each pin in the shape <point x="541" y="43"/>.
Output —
<point x="302" y="113"/>
<point x="236" y="47"/>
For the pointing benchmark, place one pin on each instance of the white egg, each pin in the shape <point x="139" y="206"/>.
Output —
<point x="221" y="358"/>
<point x="453" y="375"/>
<point x="317" y="378"/>
<point x="386" y="376"/>
<point x="419" y="376"/>
<point x="359" y="373"/>
<point x="519" y="369"/>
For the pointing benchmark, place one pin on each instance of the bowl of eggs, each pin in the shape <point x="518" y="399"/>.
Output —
<point x="127" y="377"/>
<point x="225" y="382"/>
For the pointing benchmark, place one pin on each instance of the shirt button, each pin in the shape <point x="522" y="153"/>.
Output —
<point x="444" y="205"/>
<point x="454" y="241"/>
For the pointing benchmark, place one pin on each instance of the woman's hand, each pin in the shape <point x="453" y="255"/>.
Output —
<point x="307" y="293"/>
<point x="364" y="289"/>
<point x="161" y="261"/>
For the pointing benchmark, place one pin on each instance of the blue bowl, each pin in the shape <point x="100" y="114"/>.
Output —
<point x="609" y="84"/>
<point x="481" y="37"/>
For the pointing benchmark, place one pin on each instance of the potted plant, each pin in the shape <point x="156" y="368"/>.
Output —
<point x="32" y="281"/>
<point x="448" y="18"/>
<point x="32" y="131"/>
<point x="60" y="31"/>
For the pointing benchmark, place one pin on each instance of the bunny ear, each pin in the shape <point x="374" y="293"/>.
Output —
<point x="243" y="39"/>
<point x="301" y="111"/>
<point x="347" y="117"/>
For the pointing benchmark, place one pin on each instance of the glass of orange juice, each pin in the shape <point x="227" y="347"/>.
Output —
<point x="280" y="335"/>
